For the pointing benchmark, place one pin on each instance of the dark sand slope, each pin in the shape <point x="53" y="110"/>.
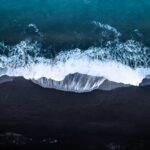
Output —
<point x="77" y="121"/>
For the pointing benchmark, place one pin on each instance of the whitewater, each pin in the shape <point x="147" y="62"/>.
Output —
<point x="120" y="62"/>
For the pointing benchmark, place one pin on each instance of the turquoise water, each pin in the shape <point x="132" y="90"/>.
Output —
<point x="67" y="23"/>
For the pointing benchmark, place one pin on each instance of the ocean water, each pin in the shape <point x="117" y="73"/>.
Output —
<point x="55" y="38"/>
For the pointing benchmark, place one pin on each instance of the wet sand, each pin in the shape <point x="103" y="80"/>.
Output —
<point x="78" y="121"/>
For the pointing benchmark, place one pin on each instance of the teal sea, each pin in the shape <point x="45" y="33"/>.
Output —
<point x="66" y="24"/>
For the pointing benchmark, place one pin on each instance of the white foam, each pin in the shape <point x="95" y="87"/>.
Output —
<point x="31" y="25"/>
<point x="74" y="61"/>
<point x="113" y="71"/>
<point x="35" y="28"/>
<point x="108" y="27"/>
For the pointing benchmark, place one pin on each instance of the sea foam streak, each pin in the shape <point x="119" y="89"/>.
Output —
<point x="91" y="62"/>
<point x="126" y="63"/>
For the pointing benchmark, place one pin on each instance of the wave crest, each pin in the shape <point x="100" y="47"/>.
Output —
<point x="119" y="62"/>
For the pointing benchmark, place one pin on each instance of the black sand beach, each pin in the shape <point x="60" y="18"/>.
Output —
<point x="97" y="120"/>
<point x="89" y="65"/>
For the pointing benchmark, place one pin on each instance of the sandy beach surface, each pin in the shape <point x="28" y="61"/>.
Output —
<point x="94" y="120"/>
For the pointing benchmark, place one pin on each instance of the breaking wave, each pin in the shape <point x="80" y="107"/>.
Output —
<point x="124" y="63"/>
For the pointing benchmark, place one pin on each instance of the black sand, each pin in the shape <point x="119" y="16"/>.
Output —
<point x="88" y="121"/>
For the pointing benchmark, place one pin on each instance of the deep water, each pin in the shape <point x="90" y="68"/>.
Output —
<point x="68" y="24"/>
